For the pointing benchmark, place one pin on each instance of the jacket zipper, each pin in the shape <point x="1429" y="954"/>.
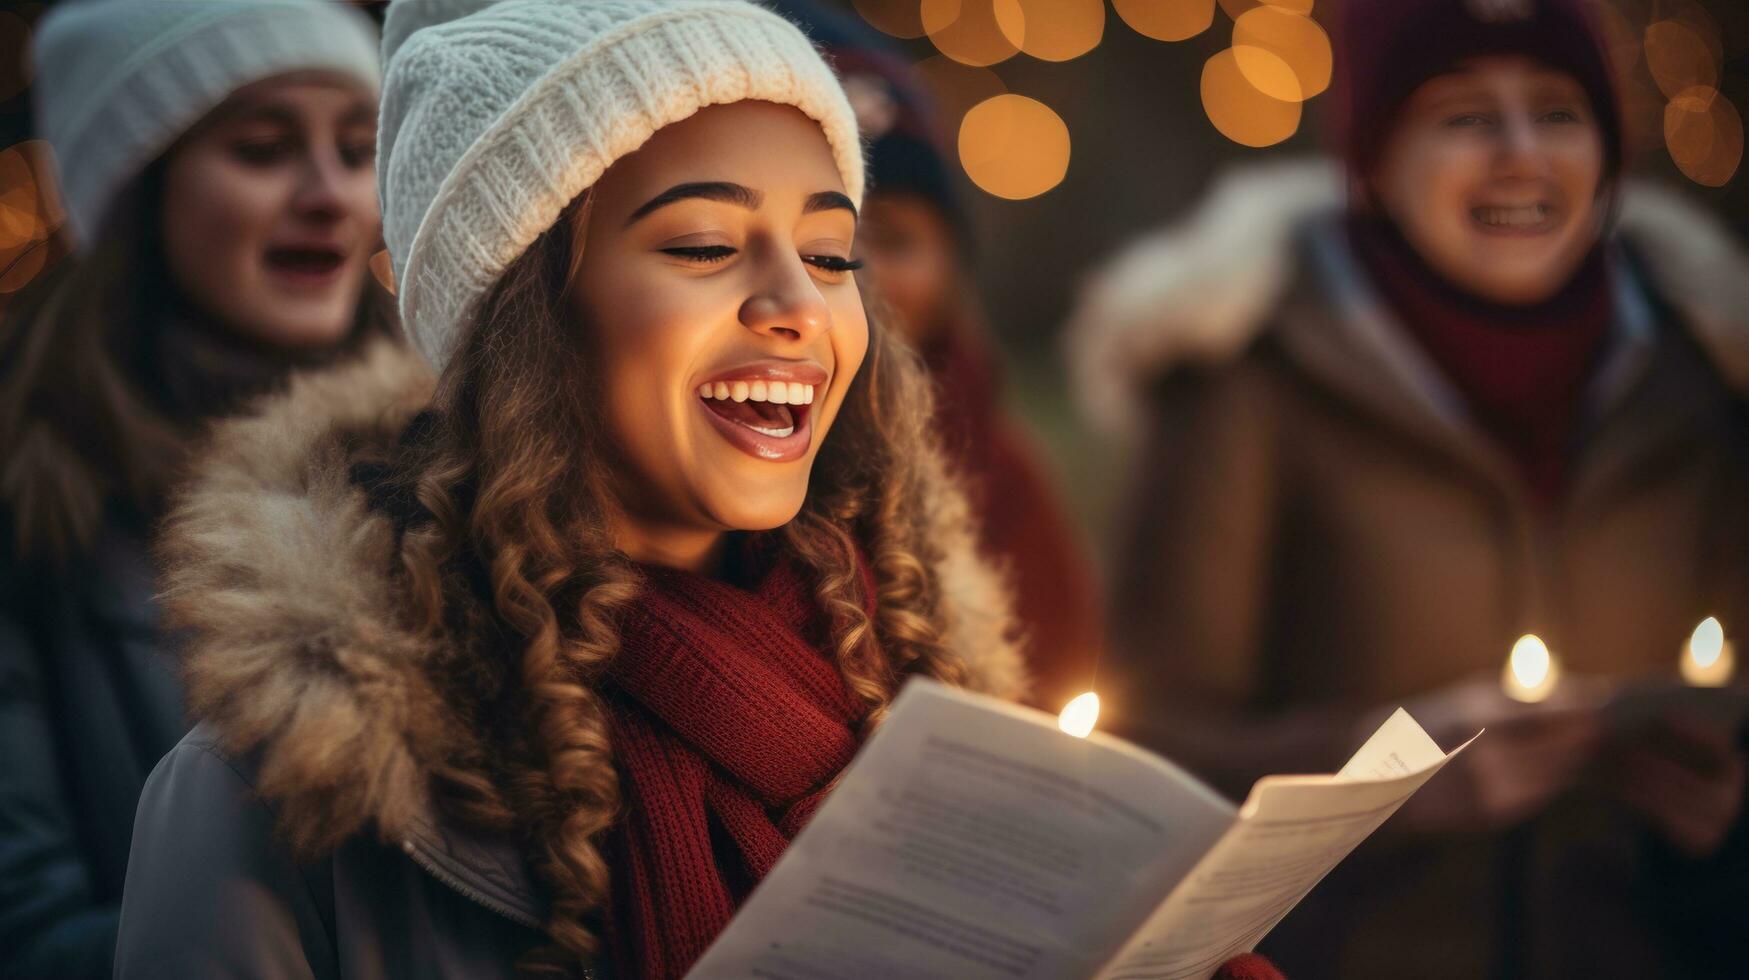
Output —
<point x="472" y="894"/>
<point x="466" y="890"/>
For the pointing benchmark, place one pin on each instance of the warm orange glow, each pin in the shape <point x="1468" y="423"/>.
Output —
<point x="1241" y="112"/>
<point x="1080" y="715"/>
<point x="900" y="18"/>
<point x="1296" y="42"/>
<point x="1238" y="8"/>
<point x="1704" y="134"/>
<point x="1679" y="57"/>
<point x="383" y="269"/>
<point x="1014" y="147"/>
<point x="1531" y="670"/>
<point x="21" y="220"/>
<point x="1058" y="30"/>
<point x="1708" y="660"/>
<point x="1166" y="20"/>
<point x="975" y="32"/>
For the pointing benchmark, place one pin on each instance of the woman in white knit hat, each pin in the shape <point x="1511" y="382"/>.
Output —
<point x="537" y="649"/>
<point x="216" y="162"/>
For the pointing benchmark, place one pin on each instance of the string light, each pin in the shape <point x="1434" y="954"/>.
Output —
<point x="1060" y="30"/>
<point x="1014" y="147"/>
<point x="1166" y="20"/>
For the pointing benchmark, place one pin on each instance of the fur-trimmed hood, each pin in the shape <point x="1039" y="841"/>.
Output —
<point x="281" y="572"/>
<point x="1199" y="292"/>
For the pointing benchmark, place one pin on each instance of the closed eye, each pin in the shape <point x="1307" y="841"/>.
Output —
<point x="833" y="263"/>
<point x="703" y="254"/>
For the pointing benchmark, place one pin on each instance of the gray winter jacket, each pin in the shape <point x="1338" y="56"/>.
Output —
<point x="212" y="893"/>
<point x="292" y="833"/>
<point x="89" y="701"/>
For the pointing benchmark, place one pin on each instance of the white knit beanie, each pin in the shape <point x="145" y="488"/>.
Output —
<point x="496" y="115"/>
<point x="118" y="81"/>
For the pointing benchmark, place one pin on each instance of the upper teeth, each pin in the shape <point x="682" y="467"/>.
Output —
<point x="1530" y="214"/>
<point x="775" y="392"/>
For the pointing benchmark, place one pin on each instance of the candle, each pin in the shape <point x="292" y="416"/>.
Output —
<point x="1079" y="715"/>
<point x="1708" y="661"/>
<point x="1531" y="670"/>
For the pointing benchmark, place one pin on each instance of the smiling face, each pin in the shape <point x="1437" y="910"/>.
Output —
<point x="1493" y="173"/>
<point x="715" y="275"/>
<point x="270" y="209"/>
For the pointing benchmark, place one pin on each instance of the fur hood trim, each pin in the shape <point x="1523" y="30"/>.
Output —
<point x="1199" y="292"/>
<point x="296" y="659"/>
<point x="278" y="569"/>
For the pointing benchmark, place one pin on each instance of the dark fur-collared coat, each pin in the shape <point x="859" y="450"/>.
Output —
<point x="291" y="833"/>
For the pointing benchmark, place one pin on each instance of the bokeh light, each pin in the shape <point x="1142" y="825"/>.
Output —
<point x="30" y="212"/>
<point x="899" y="18"/>
<point x="1296" y="43"/>
<point x="1236" y="107"/>
<point x="1166" y="20"/>
<point x="1704" y="133"/>
<point x="30" y="203"/>
<point x="1014" y="147"/>
<point x="1058" y="30"/>
<point x="1679" y="57"/>
<point x="384" y="269"/>
<point x="21" y="219"/>
<point x="975" y="32"/>
<point x="1239" y="8"/>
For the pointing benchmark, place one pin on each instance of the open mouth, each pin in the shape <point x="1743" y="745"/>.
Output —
<point x="1516" y="219"/>
<point x="305" y="263"/>
<point x="767" y="419"/>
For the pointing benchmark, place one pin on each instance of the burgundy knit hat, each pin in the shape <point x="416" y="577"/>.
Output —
<point x="1387" y="48"/>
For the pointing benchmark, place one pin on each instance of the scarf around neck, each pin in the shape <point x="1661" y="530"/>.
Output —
<point x="730" y="721"/>
<point x="1522" y="370"/>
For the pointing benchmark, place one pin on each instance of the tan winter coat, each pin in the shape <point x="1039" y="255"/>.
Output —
<point x="319" y="722"/>
<point x="1317" y="529"/>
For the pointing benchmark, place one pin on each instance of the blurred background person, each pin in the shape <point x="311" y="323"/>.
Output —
<point x="217" y="166"/>
<point x="1470" y="387"/>
<point x="918" y="246"/>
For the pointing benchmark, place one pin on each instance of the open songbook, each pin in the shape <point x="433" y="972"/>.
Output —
<point x="972" y="839"/>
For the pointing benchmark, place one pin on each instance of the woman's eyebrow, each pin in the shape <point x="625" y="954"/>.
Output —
<point x="723" y="191"/>
<point x="829" y="201"/>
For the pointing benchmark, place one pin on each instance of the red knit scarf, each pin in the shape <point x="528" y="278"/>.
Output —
<point x="1522" y="370"/>
<point x="729" y="722"/>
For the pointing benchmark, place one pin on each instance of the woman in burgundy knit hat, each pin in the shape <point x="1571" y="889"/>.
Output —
<point x="1397" y="414"/>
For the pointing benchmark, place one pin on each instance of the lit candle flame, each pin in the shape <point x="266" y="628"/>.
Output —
<point x="1707" y="642"/>
<point x="1531" y="670"/>
<point x="1708" y="661"/>
<point x="1079" y="715"/>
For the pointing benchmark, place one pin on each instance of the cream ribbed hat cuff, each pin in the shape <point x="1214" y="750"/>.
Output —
<point x="594" y="107"/>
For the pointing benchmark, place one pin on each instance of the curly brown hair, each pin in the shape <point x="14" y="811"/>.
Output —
<point x="514" y="504"/>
